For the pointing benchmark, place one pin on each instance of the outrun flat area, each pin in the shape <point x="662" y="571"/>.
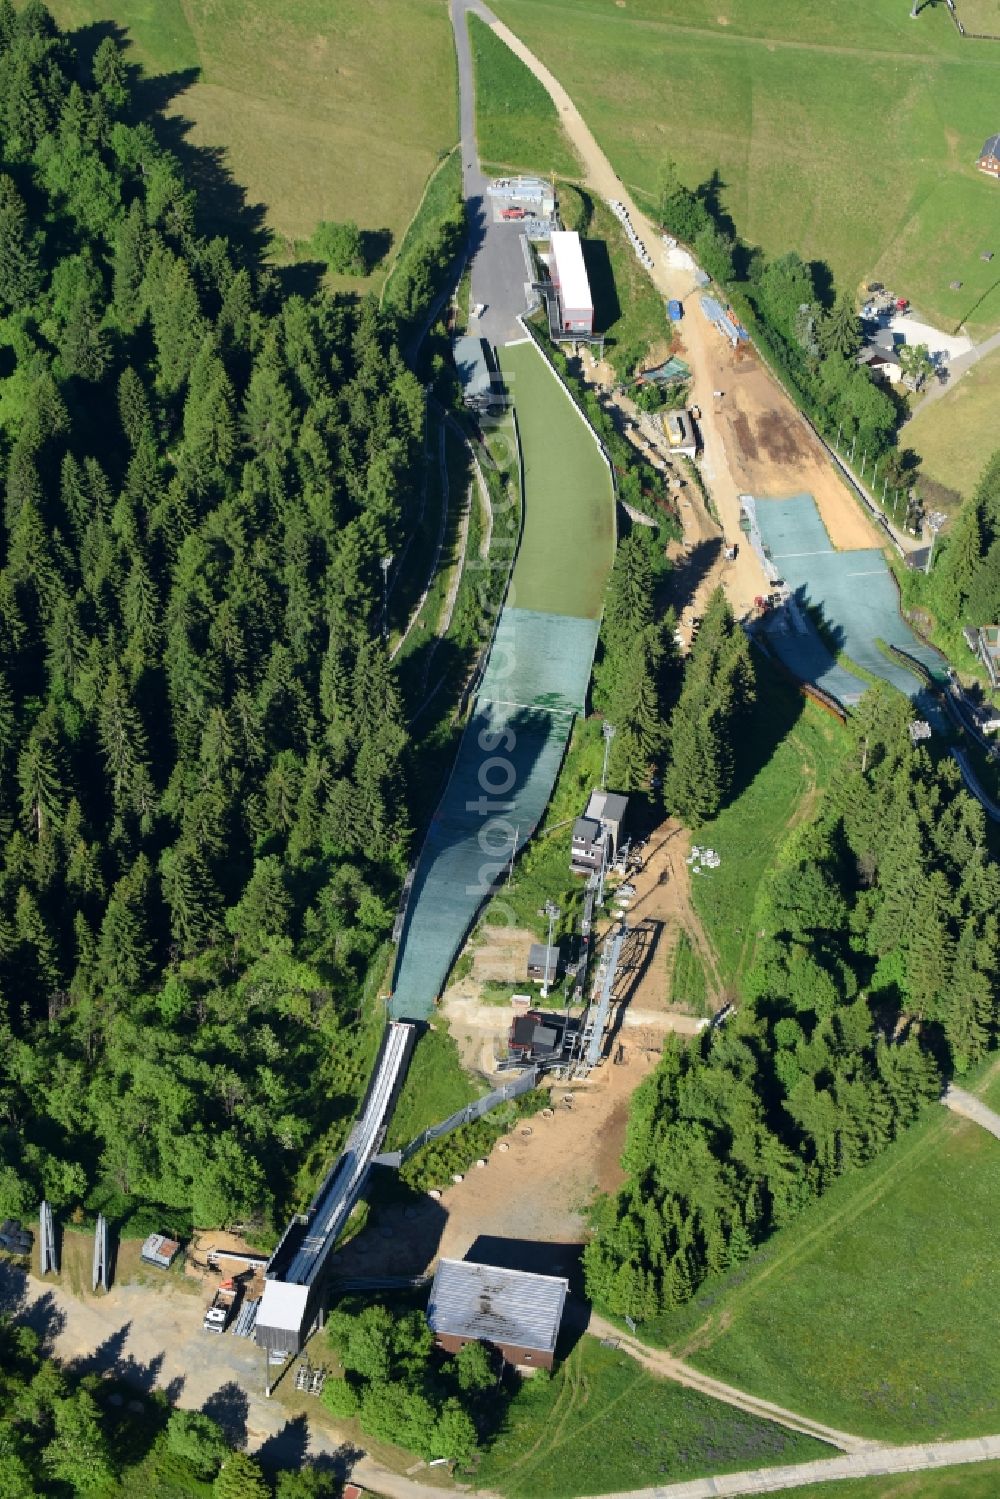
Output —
<point x="568" y="542"/>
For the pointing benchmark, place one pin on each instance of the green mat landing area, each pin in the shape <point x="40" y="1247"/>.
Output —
<point x="568" y="542"/>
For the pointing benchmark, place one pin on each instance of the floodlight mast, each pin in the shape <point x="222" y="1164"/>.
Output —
<point x="553" y="912"/>
<point x="608" y="731"/>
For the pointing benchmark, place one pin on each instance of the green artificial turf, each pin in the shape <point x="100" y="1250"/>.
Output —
<point x="568" y="496"/>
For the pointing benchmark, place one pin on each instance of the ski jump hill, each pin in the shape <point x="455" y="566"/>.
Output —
<point x="533" y="685"/>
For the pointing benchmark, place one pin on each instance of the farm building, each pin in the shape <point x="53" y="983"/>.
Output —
<point x="482" y="389"/>
<point x="543" y="962"/>
<point x="511" y="1310"/>
<point x="572" y="286"/>
<point x="989" y="157"/>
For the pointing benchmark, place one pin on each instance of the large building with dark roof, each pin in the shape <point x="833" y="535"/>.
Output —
<point x="514" y="1311"/>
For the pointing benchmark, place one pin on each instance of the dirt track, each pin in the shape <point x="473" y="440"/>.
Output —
<point x="799" y="464"/>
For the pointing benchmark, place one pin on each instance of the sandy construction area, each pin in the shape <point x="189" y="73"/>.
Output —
<point x="771" y="451"/>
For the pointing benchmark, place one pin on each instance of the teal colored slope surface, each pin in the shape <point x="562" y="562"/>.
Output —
<point x="507" y="763"/>
<point x="855" y="594"/>
<point x="534" y="683"/>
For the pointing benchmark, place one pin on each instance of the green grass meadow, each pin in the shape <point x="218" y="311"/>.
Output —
<point x="324" y="112"/>
<point x="972" y="1481"/>
<point x="602" y="1423"/>
<point x="846" y="132"/>
<point x="568" y="497"/>
<point x="957" y="435"/>
<point x="871" y="1311"/>
<point x="517" y="124"/>
<point x="787" y="753"/>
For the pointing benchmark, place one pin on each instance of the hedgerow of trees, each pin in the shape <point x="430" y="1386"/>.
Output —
<point x="636" y="676"/>
<point x="876" y="972"/>
<point x="203" y="804"/>
<point x="964" y="587"/>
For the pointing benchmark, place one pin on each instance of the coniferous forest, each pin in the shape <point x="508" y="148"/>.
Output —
<point x="203" y="806"/>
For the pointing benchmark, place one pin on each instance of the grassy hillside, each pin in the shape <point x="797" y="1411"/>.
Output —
<point x="324" y="112"/>
<point x="847" y="132"/>
<point x="604" y="1423"/>
<point x="516" y="122"/>
<point x="787" y="755"/>
<point x="867" y="1311"/>
<point x="956" y="435"/>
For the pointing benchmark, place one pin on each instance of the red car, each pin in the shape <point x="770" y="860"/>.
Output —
<point x="513" y="213"/>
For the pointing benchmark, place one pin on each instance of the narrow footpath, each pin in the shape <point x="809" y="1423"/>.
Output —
<point x="658" y="1361"/>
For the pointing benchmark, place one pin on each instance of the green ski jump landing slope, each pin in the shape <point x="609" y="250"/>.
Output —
<point x="535" y="681"/>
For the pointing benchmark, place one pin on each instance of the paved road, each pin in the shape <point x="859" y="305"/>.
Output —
<point x="870" y="1464"/>
<point x="972" y="1108"/>
<point x="956" y="369"/>
<point x="498" y="268"/>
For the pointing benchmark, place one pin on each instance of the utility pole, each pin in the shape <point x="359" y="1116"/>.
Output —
<point x="934" y="521"/>
<point x="385" y="563"/>
<point x="608" y="731"/>
<point x="553" y="912"/>
<point x="513" y="851"/>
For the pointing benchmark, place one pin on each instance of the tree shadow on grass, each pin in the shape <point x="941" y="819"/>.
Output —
<point x="777" y="710"/>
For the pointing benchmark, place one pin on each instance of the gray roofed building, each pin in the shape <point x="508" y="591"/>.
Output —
<point x="543" y="961"/>
<point x="989" y="156"/>
<point x="609" y="808"/>
<point x="481" y="388"/>
<point x="516" y="1312"/>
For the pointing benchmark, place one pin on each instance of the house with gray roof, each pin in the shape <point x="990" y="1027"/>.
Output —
<point x="482" y="388"/>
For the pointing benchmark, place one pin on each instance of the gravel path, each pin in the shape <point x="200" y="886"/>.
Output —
<point x="972" y="1108"/>
<point x="659" y="1361"/>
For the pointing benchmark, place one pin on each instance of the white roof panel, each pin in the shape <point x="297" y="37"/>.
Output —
<point x="282" y="1305"/>
<point x="571" y="273"/>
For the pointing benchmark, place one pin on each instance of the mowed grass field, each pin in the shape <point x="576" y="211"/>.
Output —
<point x="846" y="132"/>
<point x="603" y="1423"/>
<point x="567" y="544"/>
<point x="956" y="436"/>
<point x="325" y="111"/>
<point x="517" y="124"/>
<point x="872" y="1310"/>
